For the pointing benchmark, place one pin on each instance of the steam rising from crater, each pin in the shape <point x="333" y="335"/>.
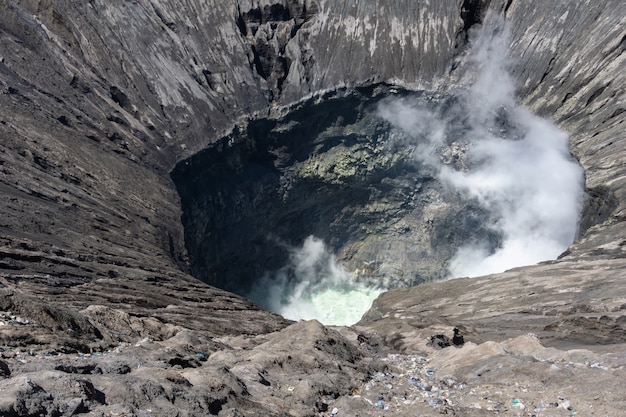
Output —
<point x="480" y="144"/>
<point x="520" y="170"/>
<point x="314" y="286"/>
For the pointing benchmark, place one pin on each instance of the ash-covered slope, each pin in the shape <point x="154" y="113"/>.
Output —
<point x="99" y="101"/>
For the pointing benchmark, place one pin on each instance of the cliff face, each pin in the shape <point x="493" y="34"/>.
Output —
<point x="143" y="85"/>
<point x="100" y="100"/>
<point x="334" y="169"/>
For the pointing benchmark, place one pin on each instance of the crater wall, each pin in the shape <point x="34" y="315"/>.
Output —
<point x="100" y="100"/>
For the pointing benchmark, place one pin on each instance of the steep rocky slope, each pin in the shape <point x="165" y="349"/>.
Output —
<point x="100" y="100"/>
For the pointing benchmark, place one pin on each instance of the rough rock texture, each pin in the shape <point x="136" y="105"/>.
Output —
<point x="518" y="377"/>
<point x="293" y="372"/>
<point x="98" y="102"/>
<point x="580" y="297"/>
<point x="333" y="169"/>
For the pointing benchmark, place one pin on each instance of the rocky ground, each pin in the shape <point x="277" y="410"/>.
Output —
<point x="309" y="370"/>
<point x="518" y="377"/>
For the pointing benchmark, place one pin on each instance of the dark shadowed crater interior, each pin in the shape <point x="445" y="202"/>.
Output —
<point x="330" y="167"/>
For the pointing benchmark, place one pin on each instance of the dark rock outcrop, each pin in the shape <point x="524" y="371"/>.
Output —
<point x="5" y="372"/>
<point x="268" y="29"/>
<point x="331" y="168"/>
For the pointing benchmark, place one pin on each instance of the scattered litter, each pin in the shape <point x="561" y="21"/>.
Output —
<point x="518" y="404"/>
<point x="334" y="412"/>
<point x="143" y="341"/>
<point x="409" y="380"/>
<point x="597" y="365"/>
<point x="7" y="318"/>
<point x="415" y="380"/>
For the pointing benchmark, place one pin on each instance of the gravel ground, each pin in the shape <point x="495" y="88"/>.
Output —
<point x="518" y="377"/>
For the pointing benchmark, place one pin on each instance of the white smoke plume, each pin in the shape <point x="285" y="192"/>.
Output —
<point x="517" y="167"/>
<point x="314" y="286"/>
<point x="529" y="183"/>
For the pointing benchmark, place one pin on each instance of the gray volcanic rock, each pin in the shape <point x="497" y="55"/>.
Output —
<point x="574" y="303"/>
<point x="333" y="169"/>
<point x="100" y="100"/>
<point x="5" y="372"/>
<point x="293" y="372"/>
